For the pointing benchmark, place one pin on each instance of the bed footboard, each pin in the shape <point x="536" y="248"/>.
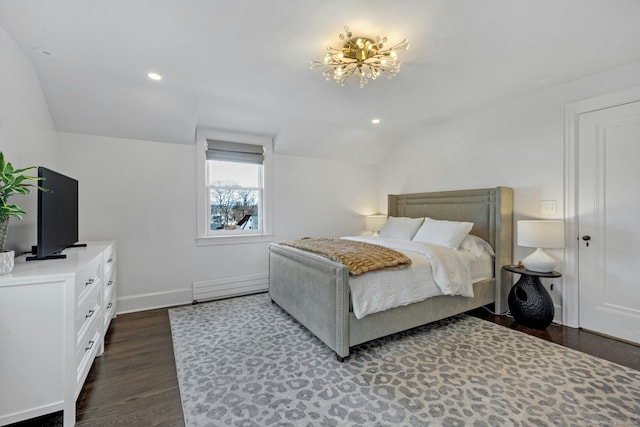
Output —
<point x="314" y="291"/>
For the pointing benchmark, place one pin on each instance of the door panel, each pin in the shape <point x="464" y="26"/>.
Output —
<point x="609" y="213"/>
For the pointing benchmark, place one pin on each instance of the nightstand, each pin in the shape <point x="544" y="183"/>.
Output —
<point x="529" y="301"/>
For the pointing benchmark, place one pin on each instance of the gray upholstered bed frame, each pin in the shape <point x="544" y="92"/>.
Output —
<point x="315" y="290"/>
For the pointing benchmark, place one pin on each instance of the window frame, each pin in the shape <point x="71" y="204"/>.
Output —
<point x="203" y="236"/>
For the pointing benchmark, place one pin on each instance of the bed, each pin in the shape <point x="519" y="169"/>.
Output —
<point x="314" y="290"/>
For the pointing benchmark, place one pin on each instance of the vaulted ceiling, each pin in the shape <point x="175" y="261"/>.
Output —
<point x="243" y="65"/>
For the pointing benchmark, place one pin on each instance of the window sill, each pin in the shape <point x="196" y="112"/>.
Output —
<point x="237" y="239"/>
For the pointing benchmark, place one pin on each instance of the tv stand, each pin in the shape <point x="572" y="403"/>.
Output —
<point x="53" y="320"/>
<point x="59" y="255"/>
<point x="36" y="258"/>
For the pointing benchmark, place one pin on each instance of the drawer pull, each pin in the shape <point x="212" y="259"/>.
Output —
<point x="110" y="260"/>
<point x="110" y="283"/>
<point x="110" y="305"/>
<point x="89" y="314"/>
<point x="90" y="346"/>
<point x="88" y="282"/>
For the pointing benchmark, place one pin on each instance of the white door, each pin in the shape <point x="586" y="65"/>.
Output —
<point x="609" y="216"/>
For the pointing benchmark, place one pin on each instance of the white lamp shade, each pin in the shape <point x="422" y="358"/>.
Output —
<point x="375" y="222"/>
<point x="541" y="234"/>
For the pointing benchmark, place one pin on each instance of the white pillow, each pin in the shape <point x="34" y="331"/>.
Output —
<point x="400" y="227"/>
<point x="443" y="233"/>
<point x="476" y="246"/>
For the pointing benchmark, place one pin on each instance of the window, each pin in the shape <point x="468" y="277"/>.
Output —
<point x="233" y="191"/>
<point x="234" y="184"/>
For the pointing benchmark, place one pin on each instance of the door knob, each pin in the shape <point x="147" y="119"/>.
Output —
<point x="586" y="238"/>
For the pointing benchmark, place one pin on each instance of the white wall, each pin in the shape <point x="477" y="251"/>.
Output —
<point x="27" y="135"/>
<point x="143" y="195"/>
<point x="322" y="198"/>
<point x="517" y="144"/>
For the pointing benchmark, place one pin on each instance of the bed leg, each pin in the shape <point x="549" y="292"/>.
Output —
<point x="340" y="358"/>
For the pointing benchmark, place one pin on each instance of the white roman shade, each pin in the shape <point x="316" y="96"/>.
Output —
<point x="235" y="152"/>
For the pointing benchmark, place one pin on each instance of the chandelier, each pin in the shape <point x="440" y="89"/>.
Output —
<point x="361" y="57"/>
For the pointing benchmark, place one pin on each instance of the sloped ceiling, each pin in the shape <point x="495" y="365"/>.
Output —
<point x="244" y="64"/>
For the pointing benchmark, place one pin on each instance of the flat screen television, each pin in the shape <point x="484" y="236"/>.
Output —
<point x="57" y="215"/>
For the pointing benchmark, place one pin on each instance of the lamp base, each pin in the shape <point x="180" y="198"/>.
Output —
<point x="539" y="261"/>
<point x="530" y="303"/>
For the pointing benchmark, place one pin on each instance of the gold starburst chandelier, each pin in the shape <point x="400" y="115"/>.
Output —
<point x="362" y="57"/>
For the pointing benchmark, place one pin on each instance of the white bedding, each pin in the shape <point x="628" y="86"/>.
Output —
<point x="435" y="270"/>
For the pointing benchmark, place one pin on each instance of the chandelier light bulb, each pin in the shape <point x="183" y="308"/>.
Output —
<point x="362" y="57"/>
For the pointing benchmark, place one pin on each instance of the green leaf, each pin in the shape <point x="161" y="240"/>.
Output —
<point x="24" y="170"/>
<point x="14" y="181"/>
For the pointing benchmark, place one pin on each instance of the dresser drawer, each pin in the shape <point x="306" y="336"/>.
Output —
<point x="87" y="308"/>
<point x="109" y="292"/>
<point x="109" y="288"/>
<point x="86" y="351"/>
<point x="109" y="261"/>
<point x="87" y="278"/>
<point x="109" y="313"/>
<point x="109" y="282"/>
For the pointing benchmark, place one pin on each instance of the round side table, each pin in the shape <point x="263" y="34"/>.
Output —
<point x="529" y="301"/>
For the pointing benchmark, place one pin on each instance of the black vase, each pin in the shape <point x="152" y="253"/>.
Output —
<point x="530" y="303"/>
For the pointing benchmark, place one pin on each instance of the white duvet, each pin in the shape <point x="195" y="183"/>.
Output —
<point x="435" y="270"/>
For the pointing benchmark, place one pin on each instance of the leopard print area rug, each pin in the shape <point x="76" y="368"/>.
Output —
<point x="244" y="361"/>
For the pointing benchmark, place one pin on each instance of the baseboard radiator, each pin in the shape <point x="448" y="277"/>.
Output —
<point x="226" y="287"/>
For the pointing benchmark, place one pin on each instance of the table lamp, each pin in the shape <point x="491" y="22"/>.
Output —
<point x="540" y="234"/>
<point x="374" y="223"/>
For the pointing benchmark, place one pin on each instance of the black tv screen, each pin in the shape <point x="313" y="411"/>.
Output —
<point x="57" y="213"/>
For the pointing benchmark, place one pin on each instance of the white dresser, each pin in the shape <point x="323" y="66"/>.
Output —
<point x="53" y="318"/>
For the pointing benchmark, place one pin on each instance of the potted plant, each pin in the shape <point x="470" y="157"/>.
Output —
<point x="12" y="181"/>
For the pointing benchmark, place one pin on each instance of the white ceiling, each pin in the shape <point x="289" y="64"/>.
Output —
<point x="244" y="64"/>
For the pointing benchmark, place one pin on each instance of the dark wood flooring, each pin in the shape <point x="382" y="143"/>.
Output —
<point x="134" y="383"/>
<point x="600" y="346"/>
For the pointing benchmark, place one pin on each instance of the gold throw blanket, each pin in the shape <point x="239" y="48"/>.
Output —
<point x="358" y="257"/>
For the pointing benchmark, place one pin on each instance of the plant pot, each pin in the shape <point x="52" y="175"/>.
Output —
<point x="6" y="262"/>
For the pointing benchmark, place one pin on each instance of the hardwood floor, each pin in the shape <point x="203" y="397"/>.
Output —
<point x="600" y="346"/>
<point x="134" y="383"/>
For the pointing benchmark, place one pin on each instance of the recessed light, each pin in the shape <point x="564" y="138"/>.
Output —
<point x="154" y="76"/>
<point x="375" y="121"/>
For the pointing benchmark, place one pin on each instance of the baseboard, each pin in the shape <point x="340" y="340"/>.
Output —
<point x="557" y="318"/>
<point x="141" y="302"/>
